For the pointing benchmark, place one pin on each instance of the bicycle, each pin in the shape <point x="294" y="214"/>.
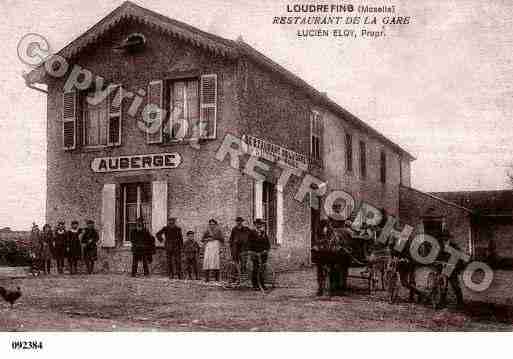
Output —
<point x="235" y="277"/>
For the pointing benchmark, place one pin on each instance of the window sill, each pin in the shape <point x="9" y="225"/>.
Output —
<point x="98" y="148"/>
<point x="183" y="141"/>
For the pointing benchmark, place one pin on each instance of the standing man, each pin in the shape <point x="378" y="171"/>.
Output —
<point x="239" y="243"/>
<point x="453" y="279"/>
<point x="74" y="247"/>
<point x="259" y="246"/>
<point x="60" y="239"/>
<point x="141" y="240"/>
<point x="173" y="245"/>
<point x="90" y="238"/>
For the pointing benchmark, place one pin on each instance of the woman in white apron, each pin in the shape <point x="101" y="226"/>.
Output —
<point x="212" y="238"/>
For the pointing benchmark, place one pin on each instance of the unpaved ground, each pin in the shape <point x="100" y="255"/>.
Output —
<point x="118" y="302"/>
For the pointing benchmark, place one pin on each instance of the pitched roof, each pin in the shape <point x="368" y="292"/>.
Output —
<point x="493" y="203"/>
<point x="439" y="199"/>
<point x="211" y="42"/>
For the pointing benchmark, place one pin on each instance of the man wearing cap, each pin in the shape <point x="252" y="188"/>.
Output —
<point x="258" y="246"/>
<point x="141" y="240"/>
<point x="239" y="242"/>
<point x="173" y="245"/>
<point x="90" y="238"/>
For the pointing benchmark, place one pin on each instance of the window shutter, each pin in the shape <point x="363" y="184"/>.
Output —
<point x="155" y="97"/>
<point x="108" y="234"/>
<point x="69" y="120"/>
<point x="208" y="106"/>
<point x="114" y="121"/>
<point x="158" y="207"/>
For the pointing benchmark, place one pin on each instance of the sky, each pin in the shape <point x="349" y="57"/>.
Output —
<point x="441" y="87"/>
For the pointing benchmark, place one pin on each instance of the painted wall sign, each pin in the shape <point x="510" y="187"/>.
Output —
<point x="272" y="152"/>
<point x="136" y="162"/>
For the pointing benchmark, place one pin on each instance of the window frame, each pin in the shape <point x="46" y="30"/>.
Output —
<point x="363" y="160"/>
<point x="383" y="167"/>
<point x="168" y="91"/>
<point x="82" y="109"/>
<point x="316" y="133"/>
<point x="349" y="152"/>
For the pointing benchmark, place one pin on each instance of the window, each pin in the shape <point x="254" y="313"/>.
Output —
<point x="383" y="167"/>
<point x="136" y="203"/>
<point x="94" y="118"/>
<point x="184" y="109"/>
<point x="363" y="160"/>
<point x="349" y="152"/>
<point x="269" y="209"/>
<point x="316" y="136"/>
<point x="101" y="117"/>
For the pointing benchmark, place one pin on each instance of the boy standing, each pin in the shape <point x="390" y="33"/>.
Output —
<point x="191" y="250"/>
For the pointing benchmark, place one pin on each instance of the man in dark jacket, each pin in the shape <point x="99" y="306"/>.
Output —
<point x="142" y="241"/>
<point x="173" y="246"/>
<point x="239" y="242"/>
<point x="90" y="239"/>
<point x="258" y="246"/>
<point x="445" y="238"/>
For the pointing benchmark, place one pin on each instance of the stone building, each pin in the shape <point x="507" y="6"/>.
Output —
<point x="104" y="165"/>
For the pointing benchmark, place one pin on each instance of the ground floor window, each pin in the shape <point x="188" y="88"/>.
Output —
<point x="136" y="199"/>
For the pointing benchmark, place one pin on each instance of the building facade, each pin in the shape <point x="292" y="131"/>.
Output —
<point x="106" y="164"/>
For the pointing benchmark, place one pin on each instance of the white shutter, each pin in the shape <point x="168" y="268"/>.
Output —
<point x="208" y="106"/>
<point x="259" y="194"/>
<point x="114" y="120"/>
<point x="158" y="207"/>
<point x="279" y="214"/>
<point x="69" y="120"/>
<point x="155" y="97"/>
<point x="108" y="235"/>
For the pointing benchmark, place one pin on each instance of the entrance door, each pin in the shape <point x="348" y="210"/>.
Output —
<point x="136" y="203"/>
<point x="269" y="208"/>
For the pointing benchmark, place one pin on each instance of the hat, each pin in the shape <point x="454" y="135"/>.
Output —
<point x="212" y="221"/>
<point x="61" y="222"/>
<point x="90" y="221"/>
<point x="172" y="219"/>
<point x="190" y="232"/>
<point x="140" y="220"/>
<point x="258" y="221"/>
<point x="74" y="222"/>
<point x="239" y="219"/>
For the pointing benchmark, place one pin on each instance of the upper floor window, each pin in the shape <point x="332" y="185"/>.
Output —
<point x="94" y="118"/>
<point x="184" y="109"/>
<point x="315" y="136"/>
<point x="363" y="160"/>
<point x="349" y="152"/>
<point x="190" y="108"/>
<point x="97" y="115"/>
<point x="383" y="167"/>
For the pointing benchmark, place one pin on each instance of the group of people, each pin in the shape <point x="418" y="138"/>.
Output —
<point x="245" y="245"/>
<point x="338" y="246"/>
<point x="60" y="245"/>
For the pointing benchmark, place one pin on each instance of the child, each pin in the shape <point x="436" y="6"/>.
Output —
<point x="191" y="250"/>
<point x="74" y="248"/>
